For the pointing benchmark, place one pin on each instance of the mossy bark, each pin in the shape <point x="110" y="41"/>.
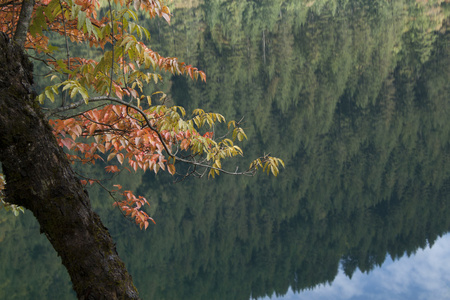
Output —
<point x="40" y="178"/>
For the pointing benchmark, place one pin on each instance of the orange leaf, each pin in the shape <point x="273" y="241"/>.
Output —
<point x="111" y="156"/>
<point x="120" y="158"/>
<point x="101" y="148"/>
<point x="112" y="169"/>
<point x="92" y="129"/>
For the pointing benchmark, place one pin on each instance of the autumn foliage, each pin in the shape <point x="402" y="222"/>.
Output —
<point x="127" y="128"/>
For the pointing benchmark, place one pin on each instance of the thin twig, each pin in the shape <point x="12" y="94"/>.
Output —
<point x="8" y="3"/>
<point x="67" y="51"/>
<point x="113" y="44"/>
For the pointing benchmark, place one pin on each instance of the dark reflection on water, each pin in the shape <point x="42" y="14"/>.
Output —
<point x="353" y="95"/>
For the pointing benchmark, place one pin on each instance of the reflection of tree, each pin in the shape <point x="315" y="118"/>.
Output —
<point x="365" y="134"/>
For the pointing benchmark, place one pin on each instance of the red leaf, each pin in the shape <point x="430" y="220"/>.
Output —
<point x="67" y="142"/>
<point x="112" y="169"/>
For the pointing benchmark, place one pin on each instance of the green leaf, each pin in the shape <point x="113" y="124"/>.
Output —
<point x="125" y="23"/>
<point x="39" y="23"/>
<point x="132" y="14"/>
<point x="49" y="93"/>
<point x="146" y="32"/>
<point x="41" y="98"/>
<point x="74" y="92"/>
<point x="52" y="10"/>
<point x="84" y="94"/>
<point x="67" y="85"/>
<point x="106" y="30"/>
<point x="75" y="11"/>
<point x="87" y="26"/>
<point x="81" y="19"/>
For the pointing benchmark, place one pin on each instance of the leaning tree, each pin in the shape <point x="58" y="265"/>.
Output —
<point x="102" y="110"/>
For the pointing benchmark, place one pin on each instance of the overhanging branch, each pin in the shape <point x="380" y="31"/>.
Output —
<point x="248" y="172"/>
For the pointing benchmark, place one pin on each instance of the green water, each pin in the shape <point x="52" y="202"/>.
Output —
<point x="352" y="95"/>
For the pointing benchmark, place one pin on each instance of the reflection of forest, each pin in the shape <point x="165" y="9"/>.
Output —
<point x="353" y="95"/>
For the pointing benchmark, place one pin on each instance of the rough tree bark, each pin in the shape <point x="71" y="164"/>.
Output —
<point x="39" y="177"/>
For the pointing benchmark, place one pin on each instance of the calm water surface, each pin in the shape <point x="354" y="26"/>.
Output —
<point x="423" y="275"/>
<point x="354" y="97"/>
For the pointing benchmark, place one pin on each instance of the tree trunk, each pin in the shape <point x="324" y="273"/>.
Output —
<point x="39" y="177"/>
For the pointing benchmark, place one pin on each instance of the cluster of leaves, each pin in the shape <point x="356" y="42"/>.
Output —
<point x="123" y="68"/>
<point x="131" y="207"/>
<point x="268" y="163"/>
<point x="15" y="209"/>
<point x="151" y="138"/>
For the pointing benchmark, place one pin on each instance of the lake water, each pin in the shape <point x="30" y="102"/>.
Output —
<point x="423" y="275"/>
<point x="354" y="97"/>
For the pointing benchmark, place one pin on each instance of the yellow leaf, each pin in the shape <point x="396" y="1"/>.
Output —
<point x="171" y="169"/>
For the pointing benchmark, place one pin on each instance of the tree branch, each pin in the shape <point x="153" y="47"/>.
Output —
<point x="24" y="22"/>
<point x="7" y="3"/>
<point x="248" y="172"/>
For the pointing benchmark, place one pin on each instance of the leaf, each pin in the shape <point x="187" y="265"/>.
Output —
<point x="133" y="14"/>
<point x="120" y="158"/>
<point x="68" y="143"/>
<point x="112" y="169"/>
<point x="75" y="11"/>
<point x="81" y="20"/>
<point x="41" y="98"/>
<point x="49" y="93"/>
<point x="111" y="156"/>
<point x="166" y="17"/>
<point x="171" y="169"/>
<point x="89" y="27"/>
<point x="74" y="92"/>
<point x="92" y="129"/>
<point x="84" y="94"/>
